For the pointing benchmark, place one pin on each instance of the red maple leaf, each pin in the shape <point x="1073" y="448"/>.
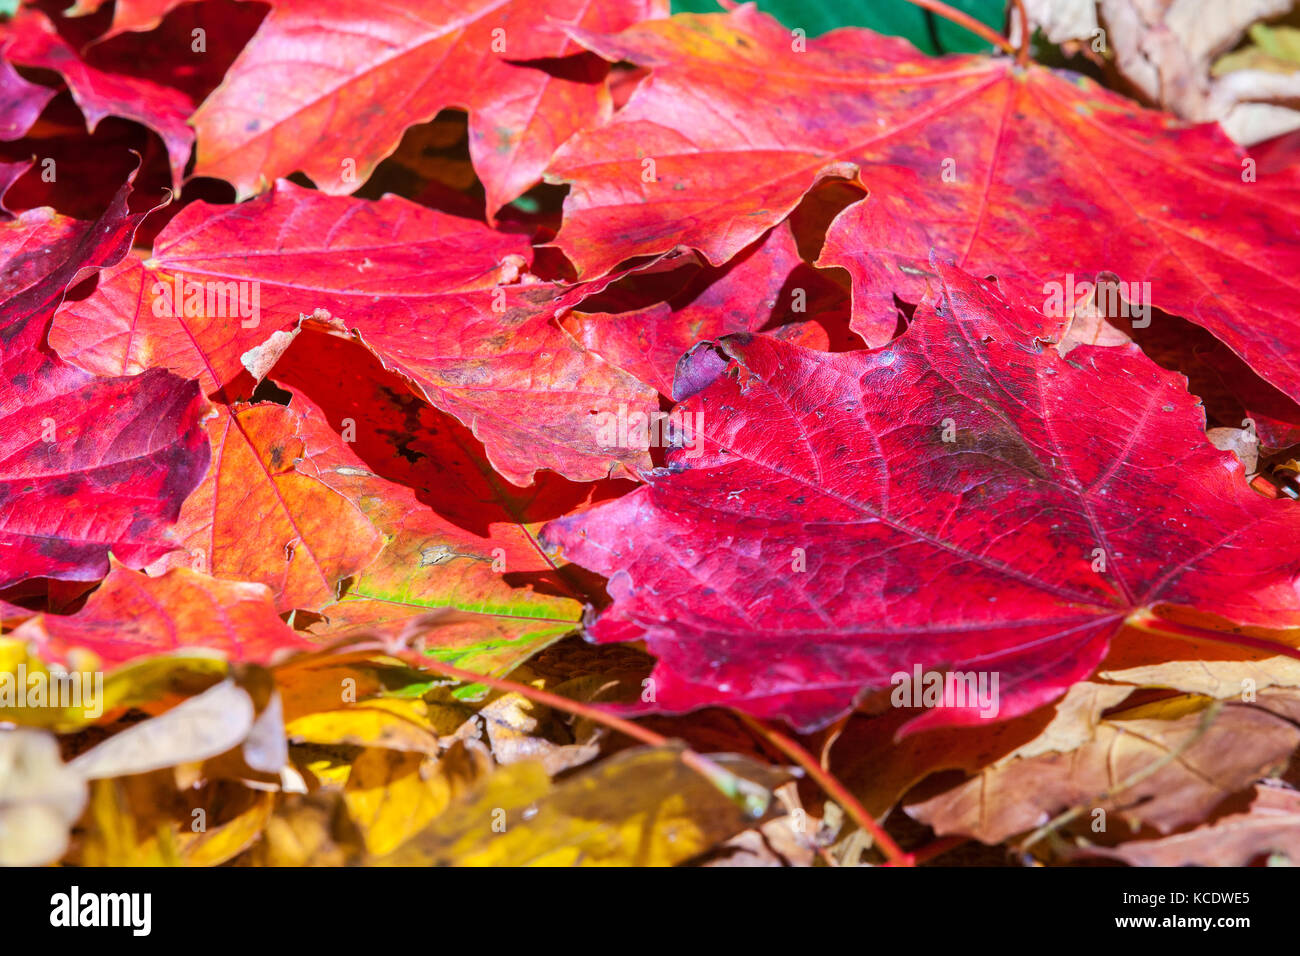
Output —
<point x="424" y="290"/>
<point x="962" y="500"/>
<point x="87" y="464"/>
<point x="20" y="102"/>
<point x="30" y="40"/>
<point x="291" y="101"/>
<point x="1027" y="173"/>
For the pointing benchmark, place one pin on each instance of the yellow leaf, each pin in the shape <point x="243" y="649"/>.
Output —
<point x="394" y="724"/>
<point x="391" y="795"/>
<point x="641" y="807"/>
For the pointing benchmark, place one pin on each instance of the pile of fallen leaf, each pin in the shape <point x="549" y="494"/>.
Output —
<point x="547" y="431"/>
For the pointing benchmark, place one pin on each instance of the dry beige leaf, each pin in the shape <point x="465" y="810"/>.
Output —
<point x="1241" y="442"/>
<point x="266" y="748"/>
<point x="514" y="731"/>
<point x="1060" y="20"/>
<point x="1076" y="720"/>
<point x="1262" y="85"/>
<point x="880" y="770"/>
<point x="788" y="840"/>
<point x="1200" y="756"/>
<point x="1167" y="49"/>
<point x="1198" y="667"/>
<point x="1223" y="680"/>
<point x="778" y="842"/>
<point x="1270" y="828"/>
<point x="195" y="729"/>
<point x="40" y="798"/>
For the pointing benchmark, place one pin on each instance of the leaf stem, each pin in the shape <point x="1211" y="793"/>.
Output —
<point x="1022" y="55"/>
<point x="966" y="21"/>
<point x="832" y="787"/>
<point x="750" y="796"/>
